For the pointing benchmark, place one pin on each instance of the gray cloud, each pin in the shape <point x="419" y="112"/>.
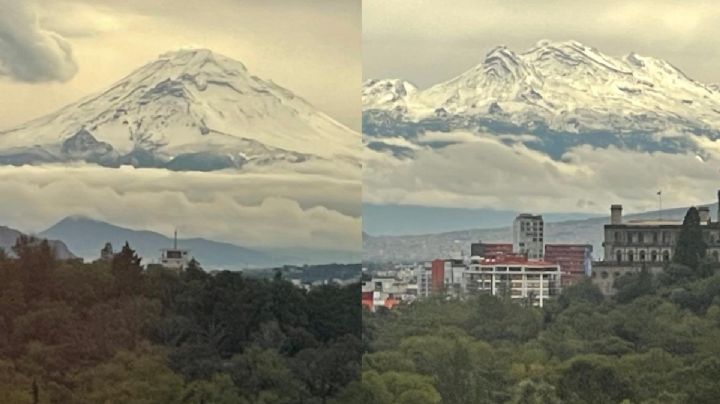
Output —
<point x="262" y="210"/>
<point x="485" y="173"/>
<point x="27" y="51"/>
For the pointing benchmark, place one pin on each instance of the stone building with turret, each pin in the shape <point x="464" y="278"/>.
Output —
<point x="631" y="245"/>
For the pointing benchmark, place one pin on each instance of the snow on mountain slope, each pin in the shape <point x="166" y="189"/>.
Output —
<point x="563" y="87"/>
<point x="389" y="93"/>
<point x="189" y="109"/>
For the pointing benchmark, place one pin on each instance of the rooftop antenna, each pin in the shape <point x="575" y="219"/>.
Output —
<point x="659" y="194"/>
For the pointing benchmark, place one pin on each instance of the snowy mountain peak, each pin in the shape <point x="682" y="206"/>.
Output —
<point x="200" y="59"/>
<point x="390" y="93"/>
<point x="563" y="88"/>
<point x="572" y="55"/>
<point x="188" y="109"/>
<point x="502" y="63"/>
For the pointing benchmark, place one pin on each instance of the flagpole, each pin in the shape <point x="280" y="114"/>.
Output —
<point x="659" y="193"/>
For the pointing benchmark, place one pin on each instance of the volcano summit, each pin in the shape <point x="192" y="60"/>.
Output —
<point x="188" y="110"/>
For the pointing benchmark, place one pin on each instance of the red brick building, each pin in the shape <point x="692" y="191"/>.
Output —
<point x="575" y="260"/>
<point x="491" y="250"/>
<point x="437" y="275"/>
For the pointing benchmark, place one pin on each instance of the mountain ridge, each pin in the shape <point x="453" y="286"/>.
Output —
<point x="556" y="92"/>
<point x="190" y="109"/>
<point x="86" y="236"/>
<point x="8" y="237"/>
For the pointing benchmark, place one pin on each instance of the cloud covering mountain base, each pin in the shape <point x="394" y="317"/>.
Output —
<point x="480" y="170"/>
<point x="305" y="208"/>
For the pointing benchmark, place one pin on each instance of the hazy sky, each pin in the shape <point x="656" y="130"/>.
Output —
<point x="427" y="41"/>
<point x="52" y="52"/>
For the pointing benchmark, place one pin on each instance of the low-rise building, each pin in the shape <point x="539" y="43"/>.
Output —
<point x="533" y="280"/>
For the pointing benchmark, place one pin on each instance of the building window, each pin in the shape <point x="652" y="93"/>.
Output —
<point x="618" y="256"/>
<point x="642" y="255"/>
<point x="653" y="256"/>
<point x="655" y="237"/>
<point x="666" y="255"/>
<point x="641" y="238"/>
<point x="715" y="256"/>
<point x="631" y="256"/>
<point x="617" y="236"/>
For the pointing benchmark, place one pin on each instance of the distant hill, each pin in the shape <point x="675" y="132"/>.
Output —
<point x="87" y="236"/>
<point x="312" y="273"/>
<point x="409" y="248"/>
<point x="8" y="237"/>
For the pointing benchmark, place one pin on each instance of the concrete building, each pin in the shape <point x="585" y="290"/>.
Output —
<point x="532" y="280"/>
<point x="528" y="236"/>
<point x="629" y="246"/>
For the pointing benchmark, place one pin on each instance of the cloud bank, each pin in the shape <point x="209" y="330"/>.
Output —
<point x="259" y="210"/>
<point x="484" y="172"/>
<point x="27" y="51"/>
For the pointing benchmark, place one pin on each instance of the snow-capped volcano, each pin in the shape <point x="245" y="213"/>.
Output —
<point x="558" y="88"/>
<point x="189" y="109"/>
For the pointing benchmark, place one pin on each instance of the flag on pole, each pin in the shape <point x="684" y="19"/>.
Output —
<point x="659" y="193"/>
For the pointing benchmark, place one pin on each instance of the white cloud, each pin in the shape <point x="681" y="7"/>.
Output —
<point x="28" y="52"/>
<point x="489" y="174"/>
<point x="254" y="210"/>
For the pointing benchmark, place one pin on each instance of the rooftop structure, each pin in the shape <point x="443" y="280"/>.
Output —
<point x="175" y="258"/>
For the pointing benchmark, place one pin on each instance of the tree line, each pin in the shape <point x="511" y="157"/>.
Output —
<point x="116" y="332"/>
<point x="654" y="342"/>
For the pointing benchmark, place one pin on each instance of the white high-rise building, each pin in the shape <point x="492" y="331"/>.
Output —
<point x="528" y="236"/>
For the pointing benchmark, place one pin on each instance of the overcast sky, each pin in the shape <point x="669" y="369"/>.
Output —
<point x="52" y="52"/>
<point x="427" y="41"/>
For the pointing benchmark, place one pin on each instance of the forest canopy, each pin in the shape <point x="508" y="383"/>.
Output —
<point x="654" y="342"/>
<point x="116" y="332"/>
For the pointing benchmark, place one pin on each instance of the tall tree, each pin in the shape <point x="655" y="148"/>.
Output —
<point x="36" y="260"/>
<point x="127" y="270"/>
<point x="690" y="248"/>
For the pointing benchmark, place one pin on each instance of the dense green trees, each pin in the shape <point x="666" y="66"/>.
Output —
<point x="113" y="332"/>
<point x="654" y="342"/>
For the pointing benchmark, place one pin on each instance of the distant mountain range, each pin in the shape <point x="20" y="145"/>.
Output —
<point x="555" y="96"/>
<point x="188" y="110"/>
<point x="85" y="237"/>
<point x="9" y="236"/>
<point x="412" y="248"/>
